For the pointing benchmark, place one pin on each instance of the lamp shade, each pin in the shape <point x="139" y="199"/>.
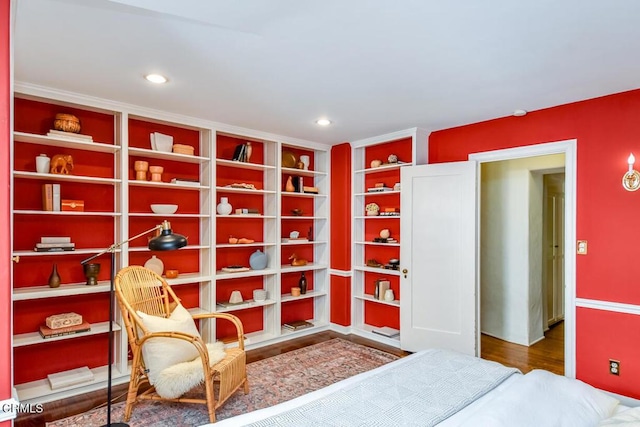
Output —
<point x="167" y="240"/>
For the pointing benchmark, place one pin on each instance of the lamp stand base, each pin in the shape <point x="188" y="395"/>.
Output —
<point x="116" y="425"/>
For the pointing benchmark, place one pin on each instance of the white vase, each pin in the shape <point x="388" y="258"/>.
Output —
<point x="155" y="264"/>
<point x="388" y="295"/>
<point x="43" y="163"/>
<point x="224" y="208"/>
<point x="305" y="161"/>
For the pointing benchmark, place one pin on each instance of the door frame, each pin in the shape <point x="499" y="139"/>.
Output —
<point x="569" y="149"/>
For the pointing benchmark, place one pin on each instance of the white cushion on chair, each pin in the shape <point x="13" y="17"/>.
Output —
<point x="160" y="353"/>
<point x="178" y="379"/>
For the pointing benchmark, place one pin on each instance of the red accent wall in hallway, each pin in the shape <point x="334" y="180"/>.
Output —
<point x="5" y="250"/>
<point x="341" y="233"/>
<point x="607" y="130"/>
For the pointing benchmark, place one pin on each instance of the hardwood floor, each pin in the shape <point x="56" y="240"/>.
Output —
<point x="546" y="354"/>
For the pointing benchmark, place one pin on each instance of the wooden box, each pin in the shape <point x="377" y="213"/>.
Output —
<point x="73" y="205"/>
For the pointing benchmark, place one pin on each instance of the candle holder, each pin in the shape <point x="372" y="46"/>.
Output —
<point x="141" y="168"/>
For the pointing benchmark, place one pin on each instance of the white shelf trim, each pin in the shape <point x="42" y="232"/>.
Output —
<point x="243" y="165"/>
<point x="367" y="297"/>
<point x="244" y="306"/>
<point x="36" y="292"/>
<point x="154" y="154"/>
<point x="66" y="213"/>
<point x="65" y="142"/>
<point x="243" y="190"/>
<point x="31" y="338"/>
<point x="62" y="177"/>
<point x="310" y="294"/>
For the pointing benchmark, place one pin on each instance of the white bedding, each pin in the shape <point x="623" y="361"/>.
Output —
<point x="541" y="398"/>
<point x="536" y="399"/>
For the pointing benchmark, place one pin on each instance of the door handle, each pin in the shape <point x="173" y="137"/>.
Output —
<point x="405" y="271"/>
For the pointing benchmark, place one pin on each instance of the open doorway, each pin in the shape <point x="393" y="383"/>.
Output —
<point x="553" y="249"/>
<point x="520" y="313"/>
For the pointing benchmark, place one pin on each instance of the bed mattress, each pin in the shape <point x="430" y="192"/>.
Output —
<point x="443" y="388"/>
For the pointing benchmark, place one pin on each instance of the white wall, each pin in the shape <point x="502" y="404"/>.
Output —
<point x="511" y="247"/>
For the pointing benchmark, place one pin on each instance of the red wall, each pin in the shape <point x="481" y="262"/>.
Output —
<point x="341" y="233"/>
<point x="5" y="250"/>
<point x="607" y="130"/>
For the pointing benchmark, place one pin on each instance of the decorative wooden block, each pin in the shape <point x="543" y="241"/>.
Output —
<point x="63" y="320"/>
<point x="70" y="377"/>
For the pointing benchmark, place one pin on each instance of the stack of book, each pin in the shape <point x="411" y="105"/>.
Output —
<point x="390" y="212"/>
<point x="383" y="240"/>
<point x="297" y="325"/>
<point x="69" y="135"/>
<point x="386" y="331"/>
<point x="47" y="332"/>
<point x="183" y="181"/>
<point x="377" y="189"/>
<point x="55" y="244"/>
<point x="296" y="240"/>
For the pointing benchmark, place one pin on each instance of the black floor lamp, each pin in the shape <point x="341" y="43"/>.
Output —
<point x="165" y="241"/>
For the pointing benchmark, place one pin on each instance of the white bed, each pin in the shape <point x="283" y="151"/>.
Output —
<point x="439" y="387"/>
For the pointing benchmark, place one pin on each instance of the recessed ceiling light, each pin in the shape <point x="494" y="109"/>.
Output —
<point x="520" y="113"/>
<point x="323" y="122"/>
<point x="156" y="78"/>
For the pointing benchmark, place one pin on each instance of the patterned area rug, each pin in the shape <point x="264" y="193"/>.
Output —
<point x="273" y="380"/>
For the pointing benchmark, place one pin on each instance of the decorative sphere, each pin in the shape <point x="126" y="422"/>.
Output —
<point x="385" y="233"/>
<point x="393" y="158"/>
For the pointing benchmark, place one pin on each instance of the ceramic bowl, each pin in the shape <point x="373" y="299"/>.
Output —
<point x="171" y="274"/>
<point x="259" y="295"/>
<point x="164" y="209"/>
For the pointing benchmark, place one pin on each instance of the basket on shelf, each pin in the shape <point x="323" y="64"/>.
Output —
<point x="183" y="149"/>
<point x="66" y="123"/>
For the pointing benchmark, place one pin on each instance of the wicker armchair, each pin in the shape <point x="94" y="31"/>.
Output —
<point x="141" y="290"/>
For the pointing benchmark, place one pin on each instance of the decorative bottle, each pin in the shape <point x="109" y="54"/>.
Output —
<point x="248" y="151"/>
<point x="224" y="208"/>
<point x="302" y="284"/>
<point x="54" y="278"/>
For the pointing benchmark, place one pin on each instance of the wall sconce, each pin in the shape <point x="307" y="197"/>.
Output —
<point x="631" y="179"/>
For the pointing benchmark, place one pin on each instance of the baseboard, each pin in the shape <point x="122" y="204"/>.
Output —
<point x="346" y="330"/>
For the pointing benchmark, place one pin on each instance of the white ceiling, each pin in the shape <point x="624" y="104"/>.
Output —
<point x="371" y="66"/>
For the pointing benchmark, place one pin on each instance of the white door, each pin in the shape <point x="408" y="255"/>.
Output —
<point x="438" y="255"/>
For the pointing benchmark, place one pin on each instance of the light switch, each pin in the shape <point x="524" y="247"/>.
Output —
<point x="582" y="247"/>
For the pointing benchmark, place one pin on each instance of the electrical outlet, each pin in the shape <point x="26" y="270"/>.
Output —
<point x="581" y="248"/>
<point x="614" y="367"/>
